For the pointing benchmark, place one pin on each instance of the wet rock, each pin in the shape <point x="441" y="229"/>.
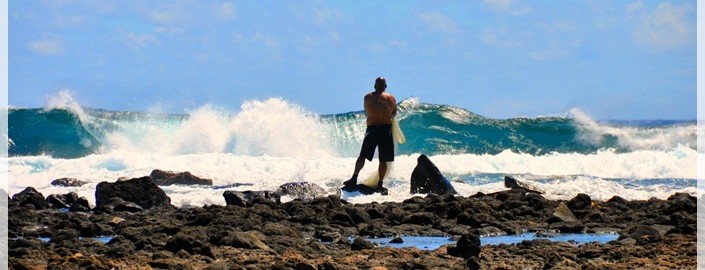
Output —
<point x="357" y="214"/>
<point x="80" y="205"/>
<point x="64" y="235"/>
<point x="30" y="196"/>
<point x="360" y="243"/>
<point x="62" y="201"/>
<point x="117" y="204"/>
<point x="514" y="183"/>
<point x="246" y="240"/>
<point x="250" y="198"/>
<point x="681" y="202"/>
<point x="641" y="233"/>
<point x="562" y="214"/>
<point x="423" y="218"/>
<point x="301" y="190"/>
<point x="580" y="202"/>
<point x="189" y="243"/>
<point x="68" y="182"/>
<point x="168" y="178"/>
<point x="141" y="191"/>
<point x="426" y="178"/>
<point x="330" y="237"/>
<point x="468" y="246"/>
<point x="119" y="247"/>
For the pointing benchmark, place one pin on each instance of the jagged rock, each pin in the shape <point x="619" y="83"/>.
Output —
<point x="563" y="213"/>
<point x="580" y="202"/>
<point x="468" y="246"/>
<point x="301" y="190"/>
<point x="250" y="198"/>
<point x="32" y="197"/>
<point x="141" y="191"/>
<point x="62" y="201"/>
<point x="397" y="240"/>
<point x="246" y="240"/>
<point x="68" y="182"/>
<point x="360" y="243"/>
<point x="514" y="183"/>
<point x="641" y="233"/>
<point x="426" y="178"/>
<point x="189" y="243"/>
<point x="617" y="200"/>
<point x="117" y="204"/>
<point x="80" y="205"/>
<point x="167" y="178"/>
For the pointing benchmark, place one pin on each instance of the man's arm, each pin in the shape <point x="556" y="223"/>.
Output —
<point x="394" y="105"/>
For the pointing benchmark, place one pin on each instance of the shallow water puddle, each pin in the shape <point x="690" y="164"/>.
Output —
<point x="434" y="242"/>
<point x="104" y="239"/>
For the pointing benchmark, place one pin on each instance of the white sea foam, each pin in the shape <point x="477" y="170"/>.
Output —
<point x="634" y="138"/>
<point x="272" y="127"/>
<point x="572" y="173"/>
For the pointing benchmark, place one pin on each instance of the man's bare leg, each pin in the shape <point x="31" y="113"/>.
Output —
<point x="382" y="171"/>
<point x="358" y="167"/>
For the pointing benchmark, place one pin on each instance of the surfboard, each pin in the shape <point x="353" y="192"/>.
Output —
<point x="398" y="136"/>
<point x="396" y="132"/>
<point x="373" y="178"/>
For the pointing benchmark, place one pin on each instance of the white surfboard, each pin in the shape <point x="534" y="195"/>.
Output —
<point x="398" y="136"/>
<point x="396" y="133"/>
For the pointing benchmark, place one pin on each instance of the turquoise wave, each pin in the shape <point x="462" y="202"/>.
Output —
<point x="429" y="128"/>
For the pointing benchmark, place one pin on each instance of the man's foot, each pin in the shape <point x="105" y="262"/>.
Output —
<point x="382" y="190"/>
<point x="351" y="182"/>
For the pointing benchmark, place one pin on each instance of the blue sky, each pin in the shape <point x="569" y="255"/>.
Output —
<point x="498" y="58"/>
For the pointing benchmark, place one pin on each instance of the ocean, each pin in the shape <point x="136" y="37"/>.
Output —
<point x="270" y="142"/>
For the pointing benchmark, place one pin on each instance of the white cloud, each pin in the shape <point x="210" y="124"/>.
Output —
<point x="225" y="11"/>
<point x="667" y="26"/>
<point x="49" y="47"/>
<point x="136" y="41"/>
<point x="323" y="15"/>
<point x="499" y="37"/>
<point x="439" y="22"/>
<point x="169" y="30"/>
<point x="507" y="6"/>
<point x="268" y="41"/>
<point x="632" y="7"/>
<point x="164" y="17"/>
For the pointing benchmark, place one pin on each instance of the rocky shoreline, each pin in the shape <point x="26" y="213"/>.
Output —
<point x="256" y="231"/>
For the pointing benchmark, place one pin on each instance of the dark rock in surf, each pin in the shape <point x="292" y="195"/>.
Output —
<point x="301" y="190"/>
<point x="580" y="202"/>
<point x="117" y="204"/>
<point x="250" y="198"/>
<point x="513" y="183"/>
<point x="80" y="205"/>
<point x="68" y="182"/>
<point x="426" y="178"/>
<point x="30" y="196"/>
<point x="168" y="178"/>
<point x="141" y="191"/>
<point x="62" y="201"/>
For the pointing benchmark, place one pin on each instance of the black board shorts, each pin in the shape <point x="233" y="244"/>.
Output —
<point x="378" y="137"/>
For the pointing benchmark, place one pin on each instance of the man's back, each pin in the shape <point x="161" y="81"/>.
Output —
<point x="380" y="107"/>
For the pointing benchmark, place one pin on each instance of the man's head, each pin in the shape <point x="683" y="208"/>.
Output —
<point x="380" y="84"/>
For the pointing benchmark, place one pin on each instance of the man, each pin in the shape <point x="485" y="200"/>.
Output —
<point x="380" y="107"/>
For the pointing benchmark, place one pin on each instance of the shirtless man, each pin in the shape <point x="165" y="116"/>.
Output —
<point x="380" y="107"/>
